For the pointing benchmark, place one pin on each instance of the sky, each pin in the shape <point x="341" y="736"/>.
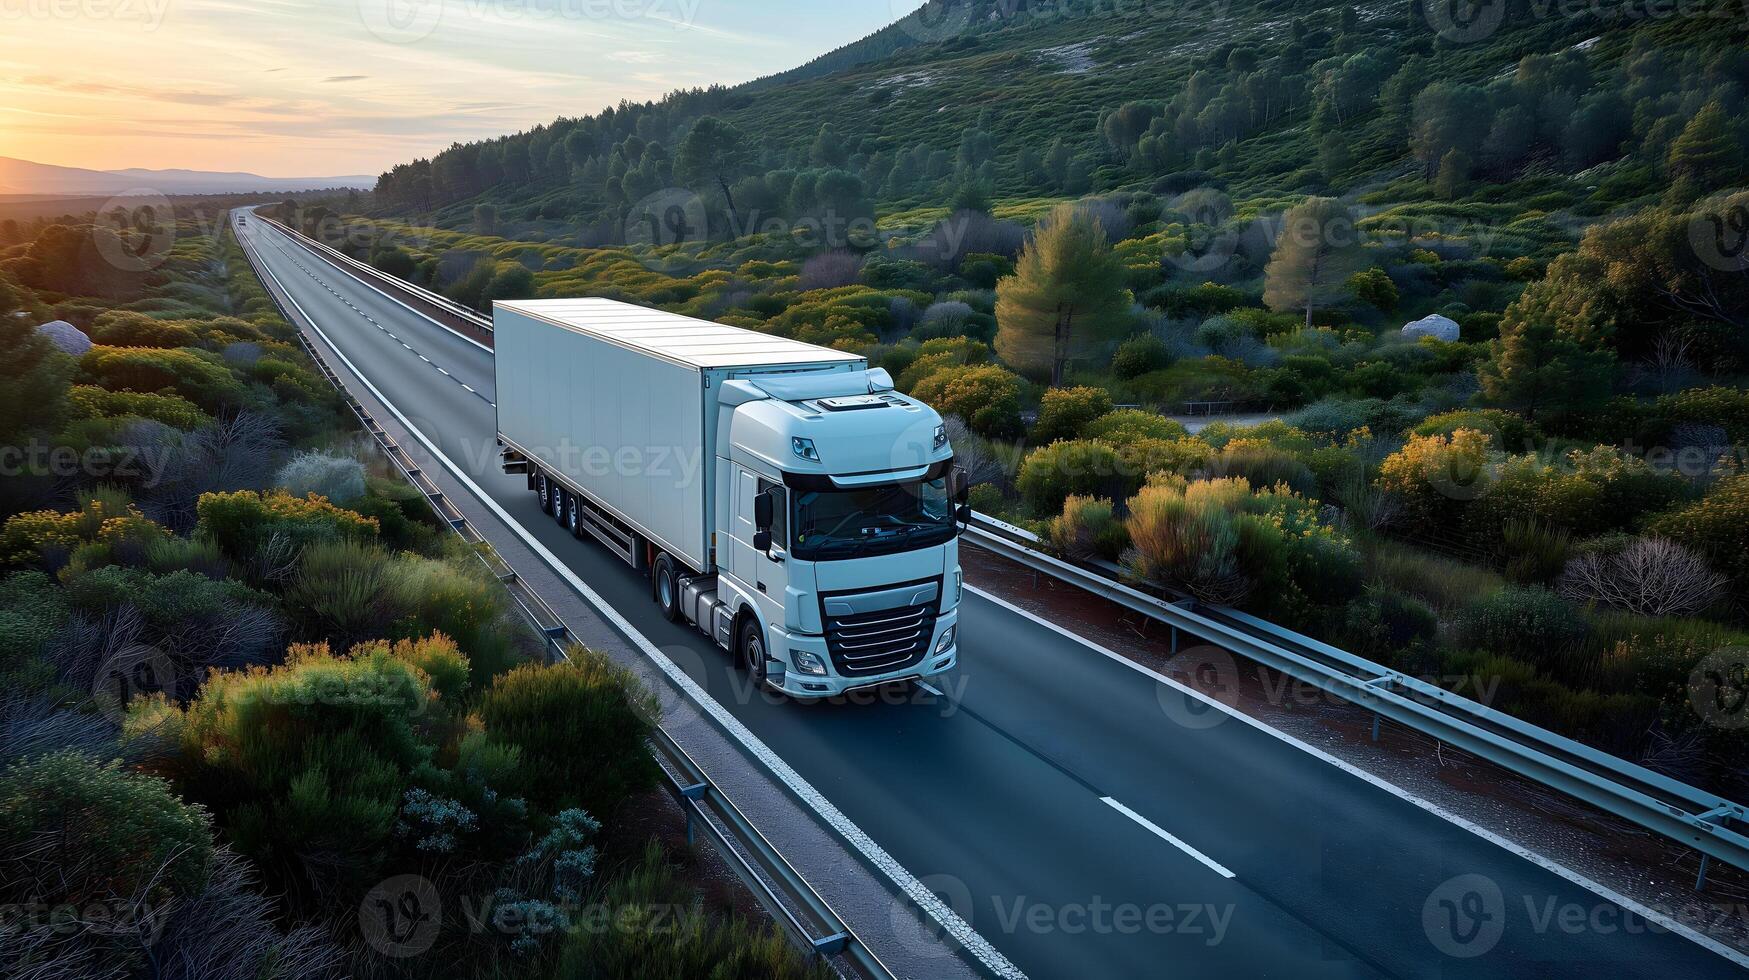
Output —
<point x="300" y="88"/>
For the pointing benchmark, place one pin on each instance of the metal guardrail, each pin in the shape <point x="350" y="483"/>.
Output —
<point x="802" y="911"/>
<point x="1707" y="822"/>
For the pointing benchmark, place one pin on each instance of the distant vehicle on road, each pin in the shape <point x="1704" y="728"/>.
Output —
<point x="782" y="497"/>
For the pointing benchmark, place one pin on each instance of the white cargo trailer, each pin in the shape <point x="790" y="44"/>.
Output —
<point x="781" y="496"/>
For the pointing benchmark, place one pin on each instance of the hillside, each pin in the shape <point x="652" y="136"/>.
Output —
<point x="1262" y="97"/>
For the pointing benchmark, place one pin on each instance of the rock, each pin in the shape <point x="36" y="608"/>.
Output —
<point x="68" y="338"/>
<point x="1432" y="325"/>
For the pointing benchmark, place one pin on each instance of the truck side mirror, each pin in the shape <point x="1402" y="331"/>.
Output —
<point x="762" y="541"/>
<point x="964" y="514"/>
<point x="959" y="485"/>
<point x="763" y="511"/>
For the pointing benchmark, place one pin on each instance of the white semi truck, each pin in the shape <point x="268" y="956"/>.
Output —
<point x="782" y="497"/>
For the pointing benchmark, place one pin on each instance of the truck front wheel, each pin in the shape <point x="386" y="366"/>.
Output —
<point x="752" y="647"/>
<point x="666" y="585"/>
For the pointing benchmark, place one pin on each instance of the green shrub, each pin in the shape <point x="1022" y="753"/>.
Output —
<point x="1531" y="623"/>
<point x="581" y="727"/>
<point x="79" y="839"/>
<point x="1064" y="412"/>
<point x="244" y="522"/>
<point x="1508" y="431"/>
<point x="92" y="402"/>
<point x="1445" y="584"/>
<point x="1087" y="529"/>
<point x="1388" y="626"/>
<point x="336" y="478"/>
<point x="197" y="376"/>
<point x="306" y="763"/>
<point x="347" y="591"/>
<point x="986" y="396"/>
<point x="32" y="613"/>
<point x="120" y="328"/>
<point x="1717" y="526"/>
<point x="1127" y="424"/>
<point x="457" y="598"/>
<point x="1049" y="474"/>
<point x="1263" y="465"/>
<point x="1139" y="355"/>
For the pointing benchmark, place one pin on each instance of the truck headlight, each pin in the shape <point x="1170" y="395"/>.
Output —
<point x="808" y="663"/>
<point x="804" y="448"/>
<point x="942" y="645"/>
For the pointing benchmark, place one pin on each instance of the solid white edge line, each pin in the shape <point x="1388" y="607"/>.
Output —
<point x="876" y="855"/>
<point x="1161" y="833"/>
<point x="1603" y="891"/>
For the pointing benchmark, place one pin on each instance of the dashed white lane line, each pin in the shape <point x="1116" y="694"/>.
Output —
<point x="1162" y="833"/>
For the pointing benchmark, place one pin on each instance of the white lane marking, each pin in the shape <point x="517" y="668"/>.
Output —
<point x="1161" y="833"/>
<point x="1547" y="864"/>
<point x="471" y="391"/>
<point x="876" y="855"/>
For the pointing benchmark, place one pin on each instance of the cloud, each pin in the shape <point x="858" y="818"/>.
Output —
<point x="344" y="78"/>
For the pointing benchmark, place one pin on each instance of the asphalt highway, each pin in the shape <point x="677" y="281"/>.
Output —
<point x="1083" y="817"/>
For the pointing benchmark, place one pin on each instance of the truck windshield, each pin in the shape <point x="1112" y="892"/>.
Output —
<point x="875" y="520"/>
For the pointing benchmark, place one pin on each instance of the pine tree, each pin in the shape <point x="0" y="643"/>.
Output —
<point x="1534" y="368"/>
<point x="1318" y="251"/>
<point x="1067" y="293"/>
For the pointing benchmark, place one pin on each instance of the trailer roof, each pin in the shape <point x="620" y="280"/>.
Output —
<point x="682" y="339"/>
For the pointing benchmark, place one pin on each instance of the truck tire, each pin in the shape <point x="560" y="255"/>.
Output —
<point x="665" y="588"/>
<point x="560" y="495"/>
<point x="750" y="649"/>
<point x="574" y="515"/>
<point x="541" y="489"/>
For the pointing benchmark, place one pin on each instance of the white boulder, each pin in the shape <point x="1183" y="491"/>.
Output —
<point x="1433" y="325"/>
<point x="68" y="338"/>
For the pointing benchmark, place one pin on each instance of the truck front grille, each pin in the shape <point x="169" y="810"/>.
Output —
<point x="882" y="641"/>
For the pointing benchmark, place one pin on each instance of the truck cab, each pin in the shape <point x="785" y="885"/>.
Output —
<point x="839" y="536"/>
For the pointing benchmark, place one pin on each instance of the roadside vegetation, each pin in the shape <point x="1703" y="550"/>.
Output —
<point x="261" y="715"/>
<point x="1541" y="484"/>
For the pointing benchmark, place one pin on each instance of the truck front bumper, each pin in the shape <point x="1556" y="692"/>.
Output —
<point x="800" y="684"/>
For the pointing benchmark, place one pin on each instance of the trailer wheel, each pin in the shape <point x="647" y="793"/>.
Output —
<point x="545" y="489"/>
<point x="665" y="586"/>
<point x="574" y="515"/>
<point x="752" y="649"/>
<point x="560" y="496"/>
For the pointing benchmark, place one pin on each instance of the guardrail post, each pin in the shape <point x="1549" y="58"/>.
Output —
<point x="1175" y="640"/>
<point x="1700" y="879"/>
<point x="1375" y="726"/>
<point x="830" y="945"/>
<point x="695" y="792"/>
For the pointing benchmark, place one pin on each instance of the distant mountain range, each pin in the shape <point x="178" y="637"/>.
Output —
<point x="25" y="177"/>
